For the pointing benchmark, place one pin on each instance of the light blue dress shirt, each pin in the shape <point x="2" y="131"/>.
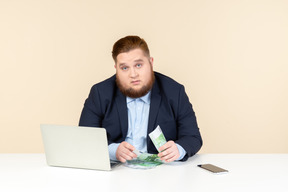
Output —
<point x="138" y="114"/>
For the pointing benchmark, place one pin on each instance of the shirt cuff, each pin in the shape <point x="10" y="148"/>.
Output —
<point x="182" y="152"/>
<point x="112" y="151"/>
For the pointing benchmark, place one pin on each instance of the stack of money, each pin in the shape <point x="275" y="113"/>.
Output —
<point x="157" y="137"/>
<point x="146" y="160"/>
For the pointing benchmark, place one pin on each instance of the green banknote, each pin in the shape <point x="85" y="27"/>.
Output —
<point x="147" y="160"/>
<point x="157" y="137"/>
<point x="144" y="161"/>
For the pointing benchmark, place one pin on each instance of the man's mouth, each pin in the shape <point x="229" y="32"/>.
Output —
<point x="136" y="82"/>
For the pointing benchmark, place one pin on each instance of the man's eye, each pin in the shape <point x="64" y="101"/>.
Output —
<point x="124" y="68"/>
<point x="139" y="65"/>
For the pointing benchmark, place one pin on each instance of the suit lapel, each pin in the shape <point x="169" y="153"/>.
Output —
<point x="122" y="112"/>
<point x="154" y="107"/>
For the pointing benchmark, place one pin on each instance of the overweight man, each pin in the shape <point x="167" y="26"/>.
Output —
<point x="134" y="101"/>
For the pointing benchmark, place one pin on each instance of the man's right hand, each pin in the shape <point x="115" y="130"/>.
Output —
<point x="125" y="152"/>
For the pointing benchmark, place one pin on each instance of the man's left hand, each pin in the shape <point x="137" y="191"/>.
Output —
<point x="169" y="152"/>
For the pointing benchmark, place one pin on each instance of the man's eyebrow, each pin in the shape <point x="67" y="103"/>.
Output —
<point x="138" y="60"/>
<point x="121" y="64"/>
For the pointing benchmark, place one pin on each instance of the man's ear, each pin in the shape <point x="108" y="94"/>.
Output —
<point x="151" y="60"/>
<point x="115" y="66"/>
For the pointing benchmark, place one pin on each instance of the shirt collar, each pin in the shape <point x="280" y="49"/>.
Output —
<point x="145" y="98"/>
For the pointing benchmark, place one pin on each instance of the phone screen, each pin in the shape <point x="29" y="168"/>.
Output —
<point x="213" y="168"/>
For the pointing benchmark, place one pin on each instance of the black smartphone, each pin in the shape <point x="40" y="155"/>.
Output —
<point x="213" y="168"/>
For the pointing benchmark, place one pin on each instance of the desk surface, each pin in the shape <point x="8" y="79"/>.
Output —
<point x="247" y="172"/>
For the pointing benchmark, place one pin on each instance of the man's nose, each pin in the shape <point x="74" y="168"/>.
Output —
<point x="133" y="73"/>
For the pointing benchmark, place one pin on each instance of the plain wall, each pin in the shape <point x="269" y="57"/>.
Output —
<point x="231" y="56"/>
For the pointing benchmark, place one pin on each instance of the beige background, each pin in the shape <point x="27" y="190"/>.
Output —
<point x="231" y="55"/>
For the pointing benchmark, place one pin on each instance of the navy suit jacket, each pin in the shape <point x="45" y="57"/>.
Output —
<point x="169" y="108"/>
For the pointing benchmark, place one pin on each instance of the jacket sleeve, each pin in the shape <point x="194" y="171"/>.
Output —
<point x="92" y="115"/>
<point x="189" y="136"/>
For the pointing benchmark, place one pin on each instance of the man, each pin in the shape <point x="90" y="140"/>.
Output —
<point x="132" y="103"/>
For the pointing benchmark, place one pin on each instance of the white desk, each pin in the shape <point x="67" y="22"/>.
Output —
<point x="247" y="172"/>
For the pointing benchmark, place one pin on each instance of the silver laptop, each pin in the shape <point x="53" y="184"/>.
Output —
<point x="76" y="147"/>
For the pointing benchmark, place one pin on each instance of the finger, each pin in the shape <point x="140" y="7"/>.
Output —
<point x="129" y="146"/>
<point x="125" y="156"/>
<point x="130" y="154"/>
<point x="123" y="152"/>
<point x="129" y="151"/>
<point x="163" y="147"/>
<point x="170" y="155"/>
<point x="121" y="159"/>
<point x="126" y="151"/>
<point x="166" y="145"/>
<point x="165" y="152"/>
<point x="171" y="158"/>
<point x="167" y="157"/>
